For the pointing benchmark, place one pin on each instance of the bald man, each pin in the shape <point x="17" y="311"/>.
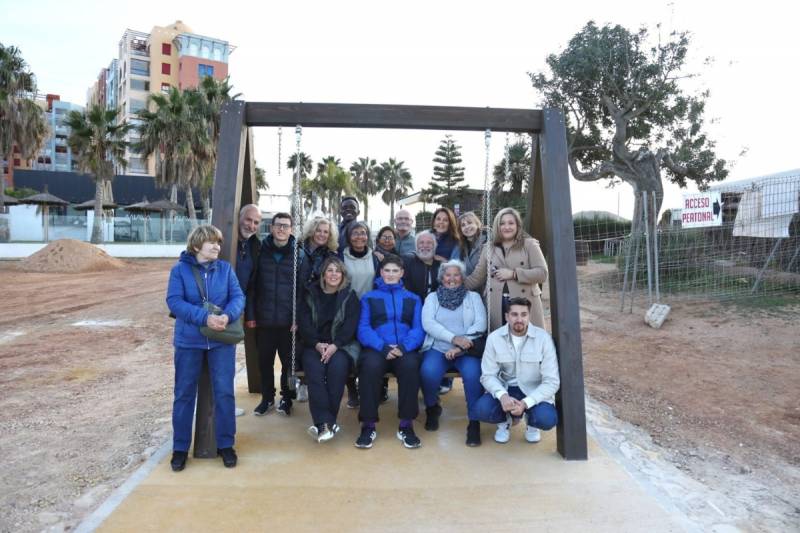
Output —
<point x="246" y="260"/>
<point x="404" y="243"/>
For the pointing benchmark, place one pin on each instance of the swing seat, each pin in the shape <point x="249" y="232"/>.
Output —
<point x="448" y="374"/>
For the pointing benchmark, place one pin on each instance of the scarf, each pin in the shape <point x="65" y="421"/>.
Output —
<point x="451" y="298"/>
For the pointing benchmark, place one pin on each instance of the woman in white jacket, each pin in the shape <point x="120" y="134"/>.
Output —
<point x="454" y="320"/>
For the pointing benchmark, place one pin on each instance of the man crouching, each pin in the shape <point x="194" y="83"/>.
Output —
<point x="519" y="371"/>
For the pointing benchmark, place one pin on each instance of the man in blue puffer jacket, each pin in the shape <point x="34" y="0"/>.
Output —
<point x="186" y="302"/>
<point x="390" y="331"/>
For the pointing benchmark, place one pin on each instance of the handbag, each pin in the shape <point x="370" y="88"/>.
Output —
<point x="478" y="346"/>
<point x="234" y="331"/>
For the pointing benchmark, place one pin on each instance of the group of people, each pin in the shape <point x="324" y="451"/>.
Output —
<point x="412" y="305"/>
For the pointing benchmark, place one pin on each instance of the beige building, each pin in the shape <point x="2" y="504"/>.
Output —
<point x="148" y="63"/>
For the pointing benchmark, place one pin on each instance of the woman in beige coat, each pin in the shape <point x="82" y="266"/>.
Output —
<point x="517" y="266"/>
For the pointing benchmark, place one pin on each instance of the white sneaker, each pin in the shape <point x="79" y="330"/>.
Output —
<point x="238" y="411"/>
<point x="302" y="393"/>
<point x="326" y="433"/>
<point x="503" y="433"/>
<point x="533" y="434"/>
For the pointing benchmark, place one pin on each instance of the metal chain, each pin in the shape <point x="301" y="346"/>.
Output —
<point x="298" y="222"/>
<point x="487" y="206"/>
<point x="280" y="145"/>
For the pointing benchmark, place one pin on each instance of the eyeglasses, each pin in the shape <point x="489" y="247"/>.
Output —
<point x="282" y="226"/>
<point x="359" y="234"/>
<point x="387" y="237"/>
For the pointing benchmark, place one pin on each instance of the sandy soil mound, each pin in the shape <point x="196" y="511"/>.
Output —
<point x="69" y="255"/>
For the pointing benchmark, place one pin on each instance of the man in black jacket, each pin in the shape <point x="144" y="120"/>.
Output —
<point x="246" y="260"/>
<point x="349" y="211"/>
<point x="421" y="269"/>
<point x="273" y="310"/>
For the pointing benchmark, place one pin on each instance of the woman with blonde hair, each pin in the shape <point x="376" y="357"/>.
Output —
<point x="200" y="277"/>
<point x="516" y="266"/>
<point x="474" y="239"/>
<point x="320" y="241"/>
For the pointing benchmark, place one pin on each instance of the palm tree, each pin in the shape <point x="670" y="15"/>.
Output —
<point x="395" y="179"/>
<point x="22" y="122"/>
<point x="519" y="158"/>
<point x="177" y="133"/>
<point x="98" y="143"/>
<point x="214" y="94"/>
<point x="333" y="180"/>
<point x="365" y="174"/>
<point x="306" y="163"/>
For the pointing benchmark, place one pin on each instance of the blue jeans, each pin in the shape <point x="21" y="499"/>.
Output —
<point x="221" y="367"/>
<point x="434" y="366"/>
<point x="543" y="415"/>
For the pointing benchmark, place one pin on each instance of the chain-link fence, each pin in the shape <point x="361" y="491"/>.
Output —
<point x="753" y="251"/>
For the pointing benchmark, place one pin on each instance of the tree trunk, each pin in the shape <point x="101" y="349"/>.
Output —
<point x="97" y="225"/>
<point x="190" y="206"/>
<point x="366" y="209"/>
<point x="206" y="206"/>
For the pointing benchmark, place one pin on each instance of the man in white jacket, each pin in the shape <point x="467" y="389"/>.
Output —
<point x="519" y="371"/>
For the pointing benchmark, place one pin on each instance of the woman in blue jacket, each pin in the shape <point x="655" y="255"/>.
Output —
<point x="185" y="301"/>
<point x="390" y="333"/>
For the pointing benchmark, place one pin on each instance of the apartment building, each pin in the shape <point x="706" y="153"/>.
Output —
<point x="148" y="63"/>
<point x="55" y="153"/>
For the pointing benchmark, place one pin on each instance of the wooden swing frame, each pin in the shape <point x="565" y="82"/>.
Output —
<point x="549" y="219"/>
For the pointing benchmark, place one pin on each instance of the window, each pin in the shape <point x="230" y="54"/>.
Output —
<point x="205" y="70"/>
<point x="137" y="105"/>
<point x="165" y="87"/>
<point x="140" y="67"/>
<point x="166" y="49"/>
<point x="166" y="68"/>
<point x="137" y="165"/>
<point x="140" y="85"/>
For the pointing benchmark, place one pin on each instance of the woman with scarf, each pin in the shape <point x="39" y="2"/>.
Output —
<point x="454" y="320"/>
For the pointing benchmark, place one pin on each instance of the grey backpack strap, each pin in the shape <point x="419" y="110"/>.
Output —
<point x="200" y="284"/>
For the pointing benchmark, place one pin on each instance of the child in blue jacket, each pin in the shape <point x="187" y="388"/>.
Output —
<point x="390" y="332"/>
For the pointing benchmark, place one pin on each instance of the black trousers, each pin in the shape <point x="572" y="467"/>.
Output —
<point x="269" y="340"/>
<point x="371" y="368"/>
<point x="325" y="384"/>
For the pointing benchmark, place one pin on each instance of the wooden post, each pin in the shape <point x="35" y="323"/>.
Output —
<point x="249" y="197"/>
<point x="551" y="218"/>
<point x="225" y="216"/>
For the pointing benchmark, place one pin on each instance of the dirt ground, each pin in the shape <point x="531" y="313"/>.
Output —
<point x="86" y="380"/>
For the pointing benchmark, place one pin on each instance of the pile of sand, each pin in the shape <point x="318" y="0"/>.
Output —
<point x="69" y="255"/>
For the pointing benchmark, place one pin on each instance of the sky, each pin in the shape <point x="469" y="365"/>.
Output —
<point x="437" y="53"/>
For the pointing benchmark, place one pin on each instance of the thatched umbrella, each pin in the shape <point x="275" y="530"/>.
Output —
<point x="8" y="200"/>
<point x="88" y="205"/>
<point x="45" y="199"/>
<point x="164" y="207"/>
<point x="143" y="208"/>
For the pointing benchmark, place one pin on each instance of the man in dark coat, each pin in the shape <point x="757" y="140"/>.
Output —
<point x="348" y="211"/>
<point x="247" y="250"/>
<point x="273" y="307"/>
<point x="421" y="269"/>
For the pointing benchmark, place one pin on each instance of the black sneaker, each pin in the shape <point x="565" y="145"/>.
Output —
<point x="178" y="461"/>
<point x="408" y="437"/>
<point x="264" y="407"/>
<point x="285" y="407"/>
<point x="352" y="397"/>
<point x="228" y="456"/>
<point x="367" y="437"/>
<point x="432" y="421"/>
<point x="474" y="433"/>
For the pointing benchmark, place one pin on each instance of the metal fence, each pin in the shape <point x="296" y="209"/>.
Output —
<point x="755" y="251"/>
